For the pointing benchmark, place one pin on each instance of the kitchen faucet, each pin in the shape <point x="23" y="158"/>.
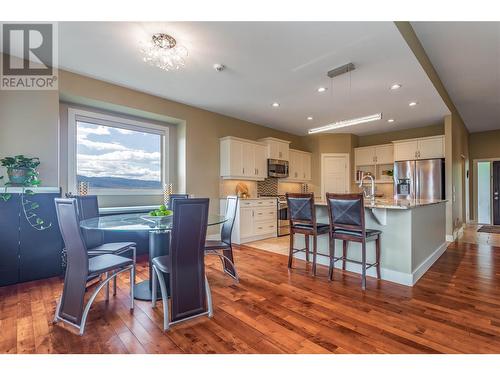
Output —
<point x="372" y="189"/>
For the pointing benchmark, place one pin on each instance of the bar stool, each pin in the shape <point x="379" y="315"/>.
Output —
<point x="347" y="223"/>
<point x="302" y="216"/>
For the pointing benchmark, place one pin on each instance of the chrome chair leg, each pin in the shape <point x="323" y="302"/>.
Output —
<point x="154" y="288"/>
<point x="164" y="297"/>
<point x="132" y="285"/>
<point x="58" y="307"/>
<point x="106" y="293"/>
<point x="235" y="276"/>
<point x="209" y="298"/>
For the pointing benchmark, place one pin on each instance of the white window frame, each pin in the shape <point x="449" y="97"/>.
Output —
<point x="75" y="115"/>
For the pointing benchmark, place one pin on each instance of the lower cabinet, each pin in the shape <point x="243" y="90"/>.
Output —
<point x="26" y="253"/>
<point x="256" y="219"/>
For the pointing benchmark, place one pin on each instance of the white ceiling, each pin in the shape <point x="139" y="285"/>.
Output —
<point x="466" y="56"/>
<point x="267" y="62"/>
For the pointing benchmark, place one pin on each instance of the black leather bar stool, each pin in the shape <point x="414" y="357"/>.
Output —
<point x="346" y="213"/>
<point x="302" y="215"/>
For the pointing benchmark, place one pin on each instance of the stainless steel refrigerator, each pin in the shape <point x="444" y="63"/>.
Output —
<point x="419" y="179"/>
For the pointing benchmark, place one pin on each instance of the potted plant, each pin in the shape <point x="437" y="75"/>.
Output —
<point x="22" y="172"/>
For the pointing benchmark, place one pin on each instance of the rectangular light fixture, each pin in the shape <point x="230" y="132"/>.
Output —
<point x="345" y="123"/>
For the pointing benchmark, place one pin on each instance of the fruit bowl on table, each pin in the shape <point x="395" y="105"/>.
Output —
<point x="158" y="217"/>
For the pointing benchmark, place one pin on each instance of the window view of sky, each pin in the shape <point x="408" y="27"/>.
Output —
<point x="110" y="157"/>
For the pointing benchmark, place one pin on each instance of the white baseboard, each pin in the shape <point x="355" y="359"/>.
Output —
<point x="426" y="264"/>
<point x="408" y="279"/>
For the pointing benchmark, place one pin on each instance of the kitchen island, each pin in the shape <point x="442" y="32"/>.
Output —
<point x="413" y="238"/>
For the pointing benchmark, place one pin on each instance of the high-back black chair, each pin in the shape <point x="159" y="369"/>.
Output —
<point x="223" y="248"/>
<point x="88" y="208"/>
<point x="302" y="216"/>
<point x="189" y="289"/>
<point x="346" y="214"/>
<point x="172" y="197"/>
<point x="80" y="268"/>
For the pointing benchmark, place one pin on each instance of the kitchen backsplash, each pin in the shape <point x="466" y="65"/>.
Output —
<point x="267" y="187"/>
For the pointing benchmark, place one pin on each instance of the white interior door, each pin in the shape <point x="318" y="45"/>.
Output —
<point x="334" y="173"/>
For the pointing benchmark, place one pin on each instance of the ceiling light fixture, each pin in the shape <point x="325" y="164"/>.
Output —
<point x="413" y="104"/>
<point x="390" y="120"/>
<point x="345" y="123"/>
<point x="395" y="86"/>
<point x="322" y="89"/>
<point x="276" y="104"/>
<point x="310" y="118"/>
<point x="163" y="52"/>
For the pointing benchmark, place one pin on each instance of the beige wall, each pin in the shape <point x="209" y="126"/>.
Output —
<point x="328" y="143"/>
<point x="379" y="139"/>
<point x="29" y="126"/>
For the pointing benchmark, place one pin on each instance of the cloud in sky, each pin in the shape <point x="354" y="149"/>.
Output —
<point x="112" y="152"/>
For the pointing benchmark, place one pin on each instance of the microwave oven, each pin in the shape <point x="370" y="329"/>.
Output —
<point x="277" y="168"/>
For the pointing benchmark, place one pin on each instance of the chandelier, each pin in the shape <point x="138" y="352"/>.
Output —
<point x="163" y="52"/>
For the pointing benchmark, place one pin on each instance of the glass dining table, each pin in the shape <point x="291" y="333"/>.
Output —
<point x="159" y="237"/>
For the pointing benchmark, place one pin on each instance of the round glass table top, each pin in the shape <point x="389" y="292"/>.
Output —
<point x="138" y="222"/>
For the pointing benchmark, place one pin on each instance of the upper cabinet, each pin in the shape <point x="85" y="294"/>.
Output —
<point x="373" y="155"/>
<point x="299" y="166"/>
<point x="277" y="148"/>
<point x="419" y="148"/>
<point x="242" y="159"/>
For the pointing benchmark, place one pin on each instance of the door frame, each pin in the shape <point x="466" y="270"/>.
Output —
<point x="475" y="188"/>
<point x="347" y="157"/>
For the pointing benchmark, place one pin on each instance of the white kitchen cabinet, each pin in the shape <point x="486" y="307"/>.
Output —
<point x="242" y="159"/>
<point x="419" y="148"/>
<point x="384" y="154"/>
<point x="373" y="155"/>
<point x="277" y="148"/>
<point x="256" y="219"/>
<point x="431" y="148"/>
<point x="299" y="166"/>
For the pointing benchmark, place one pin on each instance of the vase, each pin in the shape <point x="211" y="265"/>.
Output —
<point x="18" y="176"/>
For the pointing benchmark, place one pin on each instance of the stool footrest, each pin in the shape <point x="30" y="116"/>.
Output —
<point x="368" y="265"/>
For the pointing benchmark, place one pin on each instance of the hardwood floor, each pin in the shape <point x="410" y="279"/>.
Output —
<point x="454" y="308"/>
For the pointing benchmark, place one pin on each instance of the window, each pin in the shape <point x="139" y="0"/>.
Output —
<point x="115" y="155"/>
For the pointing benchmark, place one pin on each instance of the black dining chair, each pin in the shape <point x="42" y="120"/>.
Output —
<point x="302" y="216"/>
<point x="223" y="248"/>
<point x="80" y="267"/>
<point x="172" y="197"/>
<point x="346" y="214"/>
<point x="189" y="290"/>
<point x="88" y="208"/>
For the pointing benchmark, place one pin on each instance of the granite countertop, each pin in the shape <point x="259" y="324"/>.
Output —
<point x="394" y="204"/>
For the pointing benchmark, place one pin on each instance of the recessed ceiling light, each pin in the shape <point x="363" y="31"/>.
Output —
<point x="395" y="86"/>
<point x="413" y="104"/>
<point x="390" y="120"/>
<point x="322" y="89"/>
<point x="344" y="123"/>
<point x="310" y="118"/>
<point x="276" y="104"/>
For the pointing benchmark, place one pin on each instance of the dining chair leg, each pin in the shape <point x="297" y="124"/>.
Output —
<point x="209" y="298"/>
<point x="106" y="275"/>
<point x="315" y="250"/>
<point x="332" y="257"/>
<point x="58" y="308"/>
<point x="344" y="253"/>
<point x="377" y="255"/>
<point x="290" y="254"/>
<point x="164" y="297"/>
<point x="132" y="286"/>
<point x="363" y="265"/>
<point x="114" y="286"/>
<point x="307" y="247"/>
<point x="154" y="287"/>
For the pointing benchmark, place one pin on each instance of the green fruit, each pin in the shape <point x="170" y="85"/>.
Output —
<point x="163" y="207"/>
<point x="152" y="213"/>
